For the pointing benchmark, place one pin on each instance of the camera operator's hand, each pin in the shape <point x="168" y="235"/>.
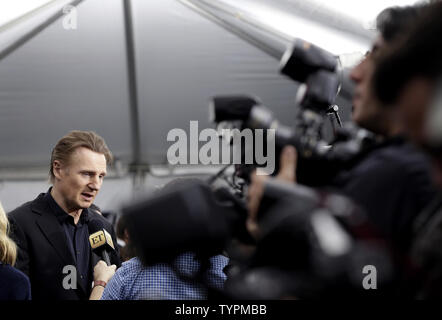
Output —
<point x="287" y="164"/>
<point x="287" y="173"/>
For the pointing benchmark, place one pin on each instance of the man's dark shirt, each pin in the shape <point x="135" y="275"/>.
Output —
<point x="78" y="238"/>
<point x="393" y="184"/>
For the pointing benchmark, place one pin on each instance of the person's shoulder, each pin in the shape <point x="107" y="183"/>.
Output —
<point x="403" y="157"/>
<point x="25" y="208"/>
<point x="135" y="262"/>
<point x="16" y="283"/>
<point x="13" y="275"/>
<point x="130" y="267"/>
<point x="219" y="259"/>
<point x="409" y="160"/>
<point x="121" y="284"/>
<point x="127" y="273"/>
<point x="404" y="152"/>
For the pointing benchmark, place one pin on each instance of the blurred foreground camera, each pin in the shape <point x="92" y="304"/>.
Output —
<point x="192" y="217"/>
<point x="305" y="236"/>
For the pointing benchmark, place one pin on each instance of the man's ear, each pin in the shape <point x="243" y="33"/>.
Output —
<point x="56" y="169"/>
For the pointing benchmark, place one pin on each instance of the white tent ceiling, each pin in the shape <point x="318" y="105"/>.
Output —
<point x="184" y="52"/>
<point x="61" y="80"/>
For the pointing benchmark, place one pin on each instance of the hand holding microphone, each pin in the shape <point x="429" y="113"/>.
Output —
<point x="101" y="244"/>
<point x="103" y="272"/>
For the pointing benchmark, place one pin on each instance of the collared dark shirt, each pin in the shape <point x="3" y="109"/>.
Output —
<point x="77" y="236"/>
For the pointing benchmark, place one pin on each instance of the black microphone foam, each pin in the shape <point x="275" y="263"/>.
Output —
<point x="95" y="225"/>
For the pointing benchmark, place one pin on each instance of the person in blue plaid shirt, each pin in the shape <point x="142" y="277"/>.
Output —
<point x="134" y="281"/>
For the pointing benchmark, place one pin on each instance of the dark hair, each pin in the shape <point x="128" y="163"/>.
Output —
<point x="394" y="22"/>
<point x="121" y="227"/>
<point x="417" y="54"/>
<point x="128" y="251"/>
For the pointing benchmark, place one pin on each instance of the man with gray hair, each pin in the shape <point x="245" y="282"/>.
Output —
<point x="52" y="232"/>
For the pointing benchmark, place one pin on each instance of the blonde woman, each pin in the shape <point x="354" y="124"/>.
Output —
<point x="14" y="284"/>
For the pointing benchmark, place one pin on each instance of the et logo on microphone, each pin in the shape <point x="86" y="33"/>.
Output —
<point x="97" y="239"/>
<point x="100" y="238"/>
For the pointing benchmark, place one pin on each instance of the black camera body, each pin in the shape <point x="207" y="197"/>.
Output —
<point x="319" y="159"/>
<point x="317" y="71"/>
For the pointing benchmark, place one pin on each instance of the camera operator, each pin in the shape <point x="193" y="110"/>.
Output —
<point x="392" y="181"/>
<point x="408" y="76"/>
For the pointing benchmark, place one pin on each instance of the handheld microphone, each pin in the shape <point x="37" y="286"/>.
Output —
<point x="100" y="240"/>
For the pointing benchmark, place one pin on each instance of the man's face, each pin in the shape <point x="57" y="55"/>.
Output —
<point x="366" y="110"/>
<point x="79" y="181"/>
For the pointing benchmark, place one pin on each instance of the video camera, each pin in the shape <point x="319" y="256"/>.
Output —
<point x="320" y="159"/>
